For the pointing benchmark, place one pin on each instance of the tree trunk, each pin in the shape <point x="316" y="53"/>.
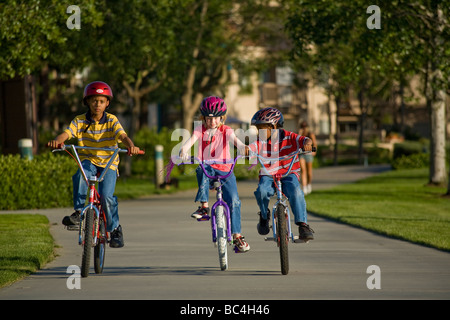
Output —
<point x="436" y="97"/>
<point x="437" y="156"/>
<point x="336" y="136"/>
<point x="362" y="119"/>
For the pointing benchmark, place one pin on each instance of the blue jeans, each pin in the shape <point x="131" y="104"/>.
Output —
<point x="230" y="194"/>
<point x="105" y="189"/>
<point x="290" y="187"/>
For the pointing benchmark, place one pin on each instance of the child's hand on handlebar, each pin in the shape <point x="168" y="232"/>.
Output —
<point x="134" y="150"/>
<point x="54" y="144"/>
<point x="308" y="146"/>
<point x="185" y="157"/>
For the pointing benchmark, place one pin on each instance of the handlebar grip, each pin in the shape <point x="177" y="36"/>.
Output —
<point x="141" y="152"/>
<point x="314" y="149"/>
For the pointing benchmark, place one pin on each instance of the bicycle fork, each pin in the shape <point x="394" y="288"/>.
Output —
<point x="90" y="206"/>
<point x="282" y="202"/>
<point x="226" y="212"/>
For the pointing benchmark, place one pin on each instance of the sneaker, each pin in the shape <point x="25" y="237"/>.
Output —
<point x="305" y="232"/>
<point x="116" y="238"/>
<point x="263" y="225"/>
<point x="72" y="221"/>
<point x="201" y="212"/>
<point x="305" y="190"/>
<point x="240" y="245"/>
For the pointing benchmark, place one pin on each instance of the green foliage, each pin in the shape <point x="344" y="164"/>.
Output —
<point x="413" y="161"/>
<point x="408" y="148"/>
<point x="44" y="182"/>
<point x="34" y="31"/>
<point x="147" y="139"/>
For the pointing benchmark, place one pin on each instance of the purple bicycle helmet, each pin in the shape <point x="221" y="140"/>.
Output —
<point x="268" y="116"/>
<point x="213" y="107"/>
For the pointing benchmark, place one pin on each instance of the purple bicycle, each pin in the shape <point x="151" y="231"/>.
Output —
<point x="220" y="212"/>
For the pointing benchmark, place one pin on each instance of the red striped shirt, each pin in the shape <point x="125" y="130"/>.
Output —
<point x="287" y="143"/>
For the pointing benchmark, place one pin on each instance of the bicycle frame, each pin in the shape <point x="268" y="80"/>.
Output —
<point x="218" y="187"/>
<point x="92" y="232"/>
<point x="94" y="197"/>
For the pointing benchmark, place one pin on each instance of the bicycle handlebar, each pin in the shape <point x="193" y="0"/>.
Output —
<point x="115" y="151"/>
<point x="287" y="157"/>
<point x="62" y="147"/>
<point x="203" y="162"/>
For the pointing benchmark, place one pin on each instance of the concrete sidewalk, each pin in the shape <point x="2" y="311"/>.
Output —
<point x="169" y="256"/>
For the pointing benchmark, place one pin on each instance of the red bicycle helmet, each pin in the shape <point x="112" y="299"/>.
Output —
<point x="97" y="88"/>
<point x="213" y="107"/>
<point x="268" y="116"/>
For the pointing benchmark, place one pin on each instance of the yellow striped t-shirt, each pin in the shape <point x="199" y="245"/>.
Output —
<point x="98" y="134"/>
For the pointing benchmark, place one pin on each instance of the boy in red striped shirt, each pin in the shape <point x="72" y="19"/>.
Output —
<point x="274" y="142"/>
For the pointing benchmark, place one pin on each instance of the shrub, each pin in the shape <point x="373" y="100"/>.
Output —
<point x="409" y="147"/>
<point x="44" y="182"/>
<point x="413" y="161"/>
<point x="147" y="139"/>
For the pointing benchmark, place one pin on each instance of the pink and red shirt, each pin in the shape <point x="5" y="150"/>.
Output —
<point x="215" y="146"/>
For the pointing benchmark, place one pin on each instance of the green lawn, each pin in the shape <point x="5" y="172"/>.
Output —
<point x="396" y="203"/>
<point x="25" y="245"/>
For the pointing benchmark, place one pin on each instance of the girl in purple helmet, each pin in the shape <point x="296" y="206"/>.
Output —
<point x="214" y="137"/>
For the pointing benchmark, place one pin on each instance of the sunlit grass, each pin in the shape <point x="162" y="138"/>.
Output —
<point x="397" y="203"/>
<point x="25" y="245"/>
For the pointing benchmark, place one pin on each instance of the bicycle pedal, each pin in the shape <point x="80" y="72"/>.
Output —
<point x="204" y="218"/>
<point x="269" y="239"/>
<point x="297" y="240"/>
<point x="73" y="228"/>
<point x="236" y="250"/>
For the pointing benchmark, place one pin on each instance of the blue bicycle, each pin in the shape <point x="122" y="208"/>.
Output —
<point x="220" y="212"/>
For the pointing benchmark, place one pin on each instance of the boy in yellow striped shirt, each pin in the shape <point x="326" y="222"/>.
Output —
<point x="99" y="129"/>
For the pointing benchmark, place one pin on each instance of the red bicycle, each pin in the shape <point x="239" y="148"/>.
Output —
<point x="92" y="232"/>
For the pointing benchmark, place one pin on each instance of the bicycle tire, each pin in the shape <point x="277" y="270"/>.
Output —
<point x="100" y="248"/>
<point x="221" y="237"/>
<point x="87" y="242"/>
<point x="282" y="238"/>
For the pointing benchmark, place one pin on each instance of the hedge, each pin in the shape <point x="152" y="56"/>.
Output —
<point x="44" y="182"/>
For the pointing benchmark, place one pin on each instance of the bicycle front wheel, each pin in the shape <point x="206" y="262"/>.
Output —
<point x="88" y="227"/>
<point x="282" y="238"/>
<point x="221" y="237"/>
<point x="99" y="249"/>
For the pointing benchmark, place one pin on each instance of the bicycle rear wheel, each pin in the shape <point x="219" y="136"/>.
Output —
<point x="88" y="226"/>
<point x="282" y="238"/>
<point x="99" y="249"/>
<point x="221" y="237"/>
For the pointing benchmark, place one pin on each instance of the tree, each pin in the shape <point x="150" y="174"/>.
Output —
<point x="410" y="41"/>
<point x="133" y="49"/>
<point x="34" y="31"/>
<point x="212" y="36"/>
